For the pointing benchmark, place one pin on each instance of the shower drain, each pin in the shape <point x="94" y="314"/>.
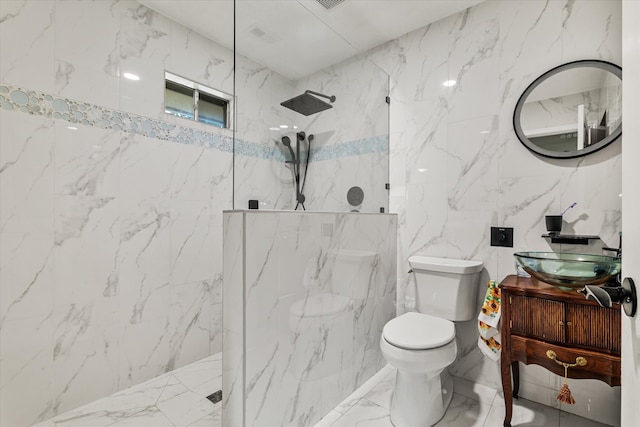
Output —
<point x="215" y="397"/>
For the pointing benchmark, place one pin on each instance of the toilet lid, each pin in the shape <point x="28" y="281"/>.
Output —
<point x="417" y="331"/>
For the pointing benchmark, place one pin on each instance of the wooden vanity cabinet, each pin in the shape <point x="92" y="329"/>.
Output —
<point x="537" y="317"/>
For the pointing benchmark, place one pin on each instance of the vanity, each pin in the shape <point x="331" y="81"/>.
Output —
<point x="546" y="326"/>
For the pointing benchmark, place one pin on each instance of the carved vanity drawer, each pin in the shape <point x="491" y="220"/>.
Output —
<point x="599" y="366"/>
<point x="538" y="318"/>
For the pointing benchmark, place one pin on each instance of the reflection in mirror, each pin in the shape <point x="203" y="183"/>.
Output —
<point x="572" y="110"/>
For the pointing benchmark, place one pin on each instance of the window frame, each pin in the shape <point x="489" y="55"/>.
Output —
<point x="197" y="88"/>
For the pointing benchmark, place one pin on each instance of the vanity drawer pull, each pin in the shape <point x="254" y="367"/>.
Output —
<point x="568" y="323"/>
<point x="580" y="361"/>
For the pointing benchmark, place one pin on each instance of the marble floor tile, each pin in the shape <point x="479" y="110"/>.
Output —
<point x="178" y="399"/>
<point x="364" y="413"/>
<point x="464" y="412"/>
<point x="381" y="393"/>
<point x="525" y="413"/>
<point x="374" y="382"/>
<point x="329" y="419"/>
<point x="571" y="420"/>
<point x="149" y="417"/>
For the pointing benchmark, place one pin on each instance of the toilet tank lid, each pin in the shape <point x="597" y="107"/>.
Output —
<point x="418" y="331"/>
<point x="444" y="265"/>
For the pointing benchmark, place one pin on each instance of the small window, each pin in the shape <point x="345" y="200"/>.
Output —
<point x="193" y="101"/>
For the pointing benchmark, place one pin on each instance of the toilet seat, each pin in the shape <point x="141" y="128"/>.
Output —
<point x="417" y="331"/>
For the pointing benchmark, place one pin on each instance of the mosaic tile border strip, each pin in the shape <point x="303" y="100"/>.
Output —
<point x="376" y="144"/>
<point x="49" y="106"/>
<point x="45" y="105"/>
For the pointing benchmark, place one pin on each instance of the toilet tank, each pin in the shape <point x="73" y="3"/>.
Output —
<point x="446" y="288"/>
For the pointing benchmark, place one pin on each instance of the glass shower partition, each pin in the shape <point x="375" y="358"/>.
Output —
<point x="296" y="156"/>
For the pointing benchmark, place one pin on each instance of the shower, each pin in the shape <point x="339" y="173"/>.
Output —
<point x="295" y="162"/>
<point x="307" y="104"/>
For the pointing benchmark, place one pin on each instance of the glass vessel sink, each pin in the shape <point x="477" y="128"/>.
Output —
<point x="567" y="270"/>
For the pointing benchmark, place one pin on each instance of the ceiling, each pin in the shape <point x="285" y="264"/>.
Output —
<point x="299" y="37"/>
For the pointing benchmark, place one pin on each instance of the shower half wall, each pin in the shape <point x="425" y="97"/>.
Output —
<point x="306" y="297"/>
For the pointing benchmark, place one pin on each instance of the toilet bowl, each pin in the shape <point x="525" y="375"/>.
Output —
<point x="422" y="345"/>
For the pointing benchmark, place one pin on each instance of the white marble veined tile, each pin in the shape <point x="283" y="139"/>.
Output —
<point x="26" y="371"/>
<point x="193" y="230"/>
<point x="189" y="323"/>
<point x="186" y="408"/>
<point x="472" y="166"/>
<point x="99" y="25"/>
<point x="87" y="239"/>
<point x="194" y="56"/>
<point x="201" y="372"/>
<point x="474" y="63"/>
<point x="85" y="353"/>
<point x="475" y="391"/>
<point x="529" y="45"/>
<point x="525" y="413"/>
<point x="26" y="173"/>
<point x="27" y="43"/>
<point x="143" y="350"/>
<point x="116" y="407"/>
<point x="369" y="388"/>
<point x="215" y="329"/>
<point x="144" y="165"/>
<point x="603" y="19"/>
<point x="233" y="272"/>
<point x="364" y="413"/>
<point x="144" y="260"/>
<point x="570" y="420"/>
<point x="150" y="416"/>
<point x="329" y="419"/>
<point x="465" y="412"/>
<point x="211" y="420"/>
<point x="192" y="177"/>
<point x="87" y="160"/>
<point x="595" y="400"/>
<point x="87" y="83"/>
<point x="233" y="379"/>
<point x="27" y="275"/>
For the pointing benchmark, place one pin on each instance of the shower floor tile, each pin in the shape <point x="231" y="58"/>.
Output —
<point x="175" y="399"/>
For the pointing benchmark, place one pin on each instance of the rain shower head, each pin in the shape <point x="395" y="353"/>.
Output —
<point x="307" y="104"/>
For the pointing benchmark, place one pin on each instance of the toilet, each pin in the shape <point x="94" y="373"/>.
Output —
<point x="422" y="345"/>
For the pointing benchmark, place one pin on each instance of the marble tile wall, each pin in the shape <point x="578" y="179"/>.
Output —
<point x="111" y="213"/>
<point x="311" y="293"/>
<point x="457" y="167"/>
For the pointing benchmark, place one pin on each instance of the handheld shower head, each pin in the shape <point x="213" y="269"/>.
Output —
<point x="301" y="136"/>
<point x="286" y="141"/>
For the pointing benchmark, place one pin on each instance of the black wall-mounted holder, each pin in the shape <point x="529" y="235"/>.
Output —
<point x="570" y="239"/>
<point x="502" y="236"/>
<point x="606" y="296"/>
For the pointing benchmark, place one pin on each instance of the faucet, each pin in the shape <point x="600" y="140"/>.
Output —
<point x="626" y="295"/>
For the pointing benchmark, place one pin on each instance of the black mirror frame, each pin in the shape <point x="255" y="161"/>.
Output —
<point x="604" y="65"/>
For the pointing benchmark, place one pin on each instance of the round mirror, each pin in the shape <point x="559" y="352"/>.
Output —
<point x="572" y="110"/>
